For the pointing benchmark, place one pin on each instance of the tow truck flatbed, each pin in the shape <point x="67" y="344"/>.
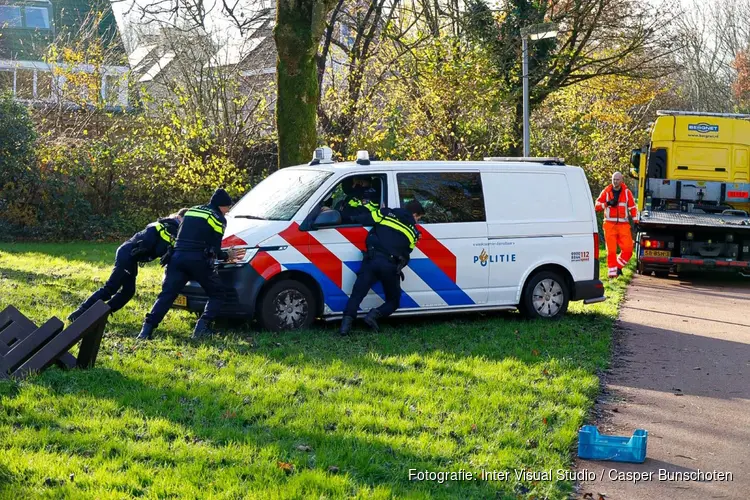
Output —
<point x="668" y="218"/>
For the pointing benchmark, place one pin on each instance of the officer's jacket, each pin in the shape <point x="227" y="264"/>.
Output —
<point x="202" y="230"/>
<point x="155" y="240"/>
<point x="394" y="231"/>
<point x="355" y="208"/>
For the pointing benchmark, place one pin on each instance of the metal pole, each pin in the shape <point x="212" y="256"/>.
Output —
<point x="525" y="50"/>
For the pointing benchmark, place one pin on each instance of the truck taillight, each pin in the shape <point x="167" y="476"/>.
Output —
<point x="653" y="244"/>
<point x="596" y="246"/>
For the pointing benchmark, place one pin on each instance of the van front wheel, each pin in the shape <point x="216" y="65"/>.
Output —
<point x="287" y="305"/>
<point x="546" y="296"/>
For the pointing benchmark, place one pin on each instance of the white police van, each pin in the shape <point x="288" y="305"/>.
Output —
<point x="504" y="233"/>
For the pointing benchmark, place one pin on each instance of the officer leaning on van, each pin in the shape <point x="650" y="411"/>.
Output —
<point x="616" y="200"/>
<point x="198" y="244"/>
<point x="389" y="245"/>
<point x="147" y="245"/>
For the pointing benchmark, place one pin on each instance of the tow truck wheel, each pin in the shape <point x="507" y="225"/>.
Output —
<point x="545" y="296"/>
<point x="287" y="305"/>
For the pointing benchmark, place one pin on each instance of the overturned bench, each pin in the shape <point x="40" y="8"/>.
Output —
<point x="26" y="348"/>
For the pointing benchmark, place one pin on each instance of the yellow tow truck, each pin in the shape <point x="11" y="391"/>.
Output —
<point x="694" y="194"/>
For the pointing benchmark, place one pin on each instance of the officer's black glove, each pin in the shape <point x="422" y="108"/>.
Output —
<point x="612" y="203"/>
<point x="401" y="274"/>
<point x="164" y="260"/>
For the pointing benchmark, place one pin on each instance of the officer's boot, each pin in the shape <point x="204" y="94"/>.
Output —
<point x="146" y="332"/>
<point x="346" y="325"/>
<point x="202" y="329"/>
<point x="371" y="318"/>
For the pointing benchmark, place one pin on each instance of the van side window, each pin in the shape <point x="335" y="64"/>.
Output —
<point x="445" y="196"/>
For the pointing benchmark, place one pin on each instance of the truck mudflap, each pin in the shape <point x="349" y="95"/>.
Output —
<point x="590" y="291"/>
<point x="242" y="286"/>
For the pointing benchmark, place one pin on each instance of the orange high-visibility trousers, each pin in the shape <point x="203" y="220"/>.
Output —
<point x="617" y="234"/>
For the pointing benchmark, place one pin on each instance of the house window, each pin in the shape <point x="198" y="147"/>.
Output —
<point x="111" y="89"/>
<point x="43" y="85"/>
<point x="28" y="17"/>
<point x="24" y="83"/>
<point x="37" y="17"/>
<point x="10" y="16"/>
<point x="6" y="81"/>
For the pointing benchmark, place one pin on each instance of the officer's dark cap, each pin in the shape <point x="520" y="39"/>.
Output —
<point x="220" y="198"/>
<point x="414" y="207"/>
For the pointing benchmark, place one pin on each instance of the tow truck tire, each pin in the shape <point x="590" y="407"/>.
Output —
<point x="287" y="305"/>
<point x="545" y="296"/>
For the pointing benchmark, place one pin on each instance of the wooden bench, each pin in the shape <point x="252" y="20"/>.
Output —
<point x="26" y="348"/>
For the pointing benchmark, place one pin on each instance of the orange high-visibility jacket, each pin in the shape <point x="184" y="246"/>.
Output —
<point x="619" y="213"/>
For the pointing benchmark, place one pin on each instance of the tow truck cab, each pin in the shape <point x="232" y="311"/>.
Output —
<point x="694" y="193"/>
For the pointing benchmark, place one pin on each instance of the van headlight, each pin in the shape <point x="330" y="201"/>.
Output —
<point x="243" y="255"/>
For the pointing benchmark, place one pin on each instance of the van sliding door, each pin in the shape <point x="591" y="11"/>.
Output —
<point x="446" y="268"/>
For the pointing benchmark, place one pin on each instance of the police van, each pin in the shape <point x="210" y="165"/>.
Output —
<point x="504" y="233"/>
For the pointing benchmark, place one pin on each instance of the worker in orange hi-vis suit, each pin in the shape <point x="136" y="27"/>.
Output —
<point x="617" y="201"/>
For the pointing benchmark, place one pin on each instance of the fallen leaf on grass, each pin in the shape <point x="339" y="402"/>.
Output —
<point x="229" y="414"/>
<point x="473" y="427"/>
<point x="535" y="352"/>
<point x="286" y="467"/>
<point x="544" y="420"/>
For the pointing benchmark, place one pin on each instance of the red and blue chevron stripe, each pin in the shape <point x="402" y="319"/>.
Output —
<point x="437" y="269"/>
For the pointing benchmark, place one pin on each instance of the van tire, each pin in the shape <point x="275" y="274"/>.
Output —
<point x="287" y="305"/>
<point x="543" y="282"/>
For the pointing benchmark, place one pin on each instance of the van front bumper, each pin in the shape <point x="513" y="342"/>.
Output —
<point x="242" y="286"/>
<point x="590" y="292"/>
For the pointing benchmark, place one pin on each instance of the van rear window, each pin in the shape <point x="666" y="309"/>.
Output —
<point x="445" y="196"/>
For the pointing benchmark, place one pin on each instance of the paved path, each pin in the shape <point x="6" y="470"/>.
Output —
<point x="681" y="370"/>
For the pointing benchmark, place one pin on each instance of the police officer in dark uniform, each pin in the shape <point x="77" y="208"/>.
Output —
<point x="389" y="245"/>
<point x="360" y="203"/>
<point x="198" y="244"/>
<point x="147" y="245"/>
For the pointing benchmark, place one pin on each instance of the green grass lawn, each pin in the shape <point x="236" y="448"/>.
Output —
<point x="308" y="414"/>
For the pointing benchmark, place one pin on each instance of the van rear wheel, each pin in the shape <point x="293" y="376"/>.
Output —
<point x="287" y="305"/>
<point x="546" y="295"/>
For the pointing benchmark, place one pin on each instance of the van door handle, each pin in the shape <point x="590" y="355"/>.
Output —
<point x="720" y="169"/>
<point x="682" y="167"/>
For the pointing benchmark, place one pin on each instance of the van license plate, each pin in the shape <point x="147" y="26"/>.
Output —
<point x="657" y="253"/>
<point x="180" y="301"/>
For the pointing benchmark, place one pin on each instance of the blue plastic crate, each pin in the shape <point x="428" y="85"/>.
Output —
<point x="595" y="446"/>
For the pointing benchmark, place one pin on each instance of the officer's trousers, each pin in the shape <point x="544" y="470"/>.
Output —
<point x="381" y="269"/>
<point x="184" y="267"/>
<point x="120" y="287"/>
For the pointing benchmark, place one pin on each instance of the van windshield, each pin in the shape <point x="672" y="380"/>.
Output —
<point x="280" y="195"/>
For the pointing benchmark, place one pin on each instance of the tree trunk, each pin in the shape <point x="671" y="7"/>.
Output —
<point x="297" y="80"/>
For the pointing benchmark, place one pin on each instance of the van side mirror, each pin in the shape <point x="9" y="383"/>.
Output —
<point x="635" y="161"/>
<point x="327" y="219"/>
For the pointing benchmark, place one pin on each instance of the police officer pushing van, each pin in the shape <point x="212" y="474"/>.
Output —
<point x="389" y="245"/>
<point x="145" y="246"/>
<point x="198" y="244"/>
